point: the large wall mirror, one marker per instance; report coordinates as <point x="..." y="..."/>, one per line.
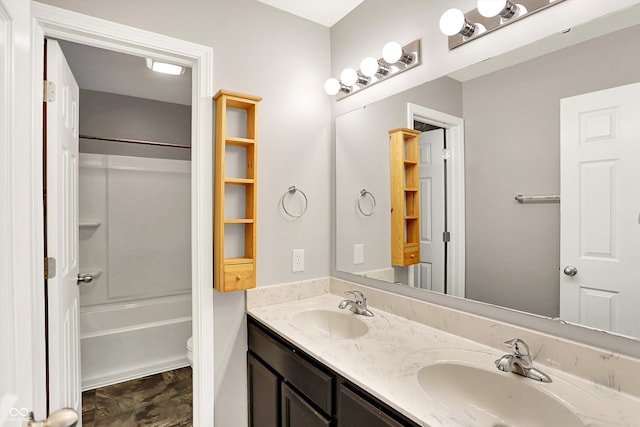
<point x="512" y="142"/>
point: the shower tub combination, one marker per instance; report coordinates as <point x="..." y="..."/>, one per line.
<point x="135" y="238"/>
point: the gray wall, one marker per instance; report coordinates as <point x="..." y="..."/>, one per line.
<point x="258" y="50"/>
<point x="512" y="146"/>
<point x="117" y="116"/>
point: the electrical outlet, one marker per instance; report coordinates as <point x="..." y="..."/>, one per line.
<point x="358" y="254"/>
<point x="297" y="260"/>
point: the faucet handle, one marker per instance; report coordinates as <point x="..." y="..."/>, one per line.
<point x="520" y="348"/>
<point x="359" y="296"/>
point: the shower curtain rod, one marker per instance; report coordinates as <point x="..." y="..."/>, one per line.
<point x="136" y="141"/>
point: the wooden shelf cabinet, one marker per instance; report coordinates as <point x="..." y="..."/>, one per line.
<point x="405" y="197"/>
<point x="235" y="273"/>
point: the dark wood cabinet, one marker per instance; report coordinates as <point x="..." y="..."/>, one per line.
<point x="296" y="412"/>
<point x="354" y="410"/>
<point x="264" y="394"/>
<point x="289" y="388"/>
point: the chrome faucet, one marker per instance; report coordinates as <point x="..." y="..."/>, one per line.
<point x="359" y="306"/>
<point x="520" y="362"/>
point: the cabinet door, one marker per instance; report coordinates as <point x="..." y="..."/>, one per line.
<point x="296" y="412"/>
<point x="264" y="390"/>
<point x="355" y="411"/>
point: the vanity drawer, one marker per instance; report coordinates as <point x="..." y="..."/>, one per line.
<point x="239" y="276"/>
<point x="357" y="408"/>
<point x="314" y="383"/>
<point x="411" y="255"/>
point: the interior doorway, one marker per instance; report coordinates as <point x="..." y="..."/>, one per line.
<point x="117" y="218"/>
<point x="54" y="22"/>
<point x="451" y="129"/>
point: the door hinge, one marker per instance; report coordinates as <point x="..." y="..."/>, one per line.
<point x="446" y="154"/>
<point x="446" y="236"/>
<point x="49" y="94"/>
<point x="49" y="267"/>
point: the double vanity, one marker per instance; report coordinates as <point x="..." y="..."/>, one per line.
<point x="313" y="360"/>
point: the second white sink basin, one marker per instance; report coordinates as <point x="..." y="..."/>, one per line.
<point x="331" y="324"/>
<point x="494" y="399"/>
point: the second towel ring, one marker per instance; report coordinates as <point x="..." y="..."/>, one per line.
<point x="292" y="190"/>
<point x="363" y="194"/>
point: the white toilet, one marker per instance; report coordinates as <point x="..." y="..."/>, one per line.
<point x="190" y="351"/>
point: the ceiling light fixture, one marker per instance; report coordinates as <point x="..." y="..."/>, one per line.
<point x="164" y="67"/>
<point x="395" y="59"/>
<point x="489" y="16"/>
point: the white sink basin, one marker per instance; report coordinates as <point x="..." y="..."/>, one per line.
<point x="494" y="399"/>
<point x="331" y="324"/>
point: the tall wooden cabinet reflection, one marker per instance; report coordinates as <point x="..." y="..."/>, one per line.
<point x="233" y="273"/>
<point x="405" y="204"/>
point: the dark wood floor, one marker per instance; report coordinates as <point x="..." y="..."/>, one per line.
<point x="161" y="400"/>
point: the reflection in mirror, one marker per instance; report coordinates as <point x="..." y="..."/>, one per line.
<point x="513" y="141"/>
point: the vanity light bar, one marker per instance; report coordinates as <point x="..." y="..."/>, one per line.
<point x="476" y="23"/>
<point x="396" y="59"/>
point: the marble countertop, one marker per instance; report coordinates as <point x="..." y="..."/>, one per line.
<point x="385" y="362"/>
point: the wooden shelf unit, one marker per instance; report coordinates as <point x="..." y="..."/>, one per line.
<point x="237" y="273"/>
<point x="405" y="201"/>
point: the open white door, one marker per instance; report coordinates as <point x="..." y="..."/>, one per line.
<point x="600" y="210"/>
<point x="62" y="234"/>
<point x="432" y="201"/>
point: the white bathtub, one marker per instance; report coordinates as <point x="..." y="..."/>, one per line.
<point x="123" y="341"/>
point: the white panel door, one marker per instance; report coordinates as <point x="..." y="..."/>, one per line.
<point x="62" y="234"/>
<point x="600" y="209"/>
<point x="432" y="267"/>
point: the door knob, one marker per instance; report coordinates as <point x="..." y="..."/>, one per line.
<point x="570" y="270"/>
<point x="65" y="417"/>
<point x="85" y="278"/>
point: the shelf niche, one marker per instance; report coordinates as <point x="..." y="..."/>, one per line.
<point x="405" y="202"/>
<point x="235" y="273"/>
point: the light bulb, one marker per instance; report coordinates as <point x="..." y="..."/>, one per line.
<point x="392" y="52"/>
<point x="332" y="86"/>
<point x="369" y="66"/>
<point x="452" y="22"/>
<point x="349" y="77"/>
<point x="491" y="8"/>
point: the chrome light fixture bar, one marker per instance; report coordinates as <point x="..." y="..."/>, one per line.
<point x="489" y="16"/>
<point x="395" y="60"/>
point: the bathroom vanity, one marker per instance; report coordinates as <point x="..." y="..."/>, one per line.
<point x="313" y="364"/>
<point x="307" y="392"/>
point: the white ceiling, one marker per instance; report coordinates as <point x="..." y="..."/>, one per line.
<point x="112" y="72"/>
<point x="324" y="12"/>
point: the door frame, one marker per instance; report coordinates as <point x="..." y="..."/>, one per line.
<point x="21" y="252"/>
<point x="454" y="130"/>
<point x="49" y="21"/>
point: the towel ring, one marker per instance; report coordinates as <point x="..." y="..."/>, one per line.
<point x="363" y="194"/>
<point x="292" y="190"/>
